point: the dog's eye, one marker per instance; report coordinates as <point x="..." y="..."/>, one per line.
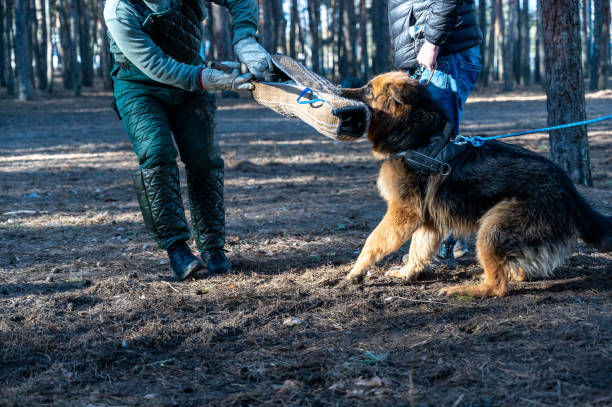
<point x="368" y="92"/>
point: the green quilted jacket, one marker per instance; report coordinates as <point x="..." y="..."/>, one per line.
<point x="129" y="41"/>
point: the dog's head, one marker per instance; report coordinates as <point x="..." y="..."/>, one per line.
<point x="404" y="115"/>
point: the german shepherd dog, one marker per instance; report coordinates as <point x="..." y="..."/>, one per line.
<point x="525" y="210"/>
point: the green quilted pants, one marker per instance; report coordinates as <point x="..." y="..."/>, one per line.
<point x="152" y="114"/>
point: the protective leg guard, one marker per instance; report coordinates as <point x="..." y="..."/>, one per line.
<point x="159" y="194"/>
<point x="207" y="207"/>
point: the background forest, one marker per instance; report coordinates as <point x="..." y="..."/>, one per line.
<point x="337" y="38"/>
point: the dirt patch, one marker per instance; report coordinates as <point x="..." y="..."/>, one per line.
<point x="90" y="317"/>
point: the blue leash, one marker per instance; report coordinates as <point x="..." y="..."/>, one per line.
<point x="477" y="141"/>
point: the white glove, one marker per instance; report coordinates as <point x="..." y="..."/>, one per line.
<point x="226" y="78"/>
<point x="254" y="56"/>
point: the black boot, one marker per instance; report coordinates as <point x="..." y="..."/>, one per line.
<point x="216" y="261"/>
<point x="445" y="256"/>
<point x="183" y="262"/>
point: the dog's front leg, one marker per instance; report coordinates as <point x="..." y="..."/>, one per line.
<point x="391" y="233"/>
<point x="424" y="243"/>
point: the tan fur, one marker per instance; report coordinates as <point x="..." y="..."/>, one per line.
<point x="415" y="210"/>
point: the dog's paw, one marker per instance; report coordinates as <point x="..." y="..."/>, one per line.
<point x="351" y="280"/>
<point x="402" y="273"/>
<point x="449" y="291"/>
<point x="399" y="273"/>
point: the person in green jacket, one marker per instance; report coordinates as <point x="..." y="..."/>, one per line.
<point x="161" y="89"/>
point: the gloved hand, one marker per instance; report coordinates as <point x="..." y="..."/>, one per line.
<point x="228" y="78"/>
<point x="254" y="56"/>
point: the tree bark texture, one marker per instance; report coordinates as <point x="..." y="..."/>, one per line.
<point x="106" y="59"/>
<point x="222" y="34"/>
<point x="526" y="48"/>
<point x="2" y="47"/>
<point x="569" y="148"/>
<point x="85" y="43"/>
<point x="499" y="38"/>
<point x="584" y="25"/>
<point x="8" y="33"/>
<point x="604" y="67"/>
<point x="382" y="41"/>
<point x="363" y="39"/>
<point x="508" y="51"/>
<point x="314" y="20"/>
<point x="41" y="44"/>
<point x="350" y="38"/>
<point x="538" y="73"/>
<point x="482" y="21"/>
<point x="22" y="50"/>
<point x="597" y="39"/>
<point x="293" y="29"/>
<point x="74" y="40"/>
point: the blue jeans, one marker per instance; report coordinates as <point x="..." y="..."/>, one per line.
<point x="450" y="86"/>
<point x="453" y="81"/>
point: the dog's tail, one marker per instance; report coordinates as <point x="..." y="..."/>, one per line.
<point x="594" y="228"/>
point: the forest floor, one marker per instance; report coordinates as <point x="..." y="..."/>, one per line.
<point x="90" y="315"/>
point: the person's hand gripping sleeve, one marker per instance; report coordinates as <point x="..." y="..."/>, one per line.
<point x="225" y="76"/>
<point x="254" y="56"/>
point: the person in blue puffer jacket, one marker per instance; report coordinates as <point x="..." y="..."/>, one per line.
<point x="438" y="41"/>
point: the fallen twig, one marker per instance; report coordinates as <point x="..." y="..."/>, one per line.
<point x="171" y="287"/>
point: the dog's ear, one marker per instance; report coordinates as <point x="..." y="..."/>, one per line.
<point x="396" y="94"/>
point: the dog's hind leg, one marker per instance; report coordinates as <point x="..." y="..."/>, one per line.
<point x="424" y="243"/>
<point x="489" y="244"/>
<point x="391" y="233"/>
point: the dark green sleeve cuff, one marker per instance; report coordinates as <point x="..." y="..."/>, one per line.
<point x="245" y="15"/>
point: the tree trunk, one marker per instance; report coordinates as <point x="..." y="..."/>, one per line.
<point x="604" y="69"/>
<point x="585" y="35"/>
<point x="22" y="50"/>
<point x="41" y="41"/>
<point x="65" y="43"/>
<point x="222" y="34"/>
<point x="363" y="39"/>
<point x="85" y="45"/>
<point x="518" y="44"/>
<point x="293" y="29"/>
<point x="74" y="40"/>
<point x="539" y="50"/>
<point x="350" y="38"/>
<point x="499" y="36"/>
<point x="490" y="54"/>
<point x="314" y="20"/>
<point x="106" y="59"/>
<point x="598" y="10"/>
<point x="2" y="47"/>
<point x="508" y="51"/>
<point x="10" y="46"/>
<point x="266" y="26"/>
<point x="280" y="24"/>
<point x="382" y="42"/>
<point x="569" y="148"/>
<point x="49" y="46"/>
<point x="482" y="21"/>
<point x="32" y="26"/>
<point x="525" y="52"/>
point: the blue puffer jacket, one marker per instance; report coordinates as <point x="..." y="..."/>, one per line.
<point x="451" y="24"/>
